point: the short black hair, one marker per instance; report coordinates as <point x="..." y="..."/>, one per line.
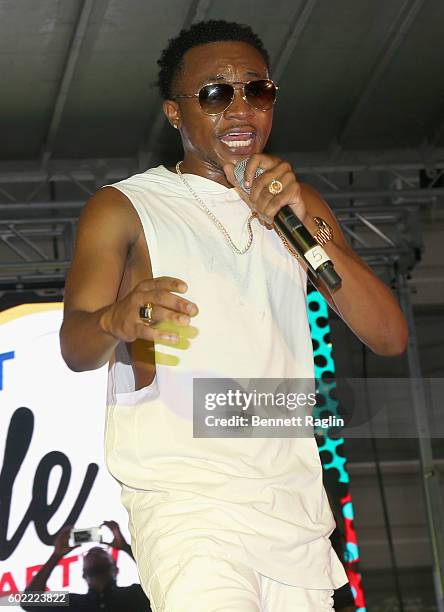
<point x="171" y="59"/>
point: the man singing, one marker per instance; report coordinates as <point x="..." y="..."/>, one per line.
<point x="179" y="274"/>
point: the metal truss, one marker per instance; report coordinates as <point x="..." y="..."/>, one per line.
<point x="36" y="252"/>
<point x="88" y="174"/>
<point x="390" y="185"/>
<point x="377" y="203"/>
<point x="389" y="241"/>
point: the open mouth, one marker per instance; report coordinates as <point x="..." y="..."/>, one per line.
<point x="238" y="140"/>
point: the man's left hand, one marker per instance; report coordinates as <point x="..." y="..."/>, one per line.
<point x="118" y="540"/>
<point x="260" y="200"/>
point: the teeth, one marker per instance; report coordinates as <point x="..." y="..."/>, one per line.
<point x="238" y="143"/>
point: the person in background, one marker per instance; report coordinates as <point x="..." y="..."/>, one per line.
<point x="100" y="572"/>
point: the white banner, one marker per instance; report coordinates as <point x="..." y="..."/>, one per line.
<point x="52" y="453"/>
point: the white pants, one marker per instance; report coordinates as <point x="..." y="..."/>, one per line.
<point x="178" y="579"/>
<point x="208" y="584"/>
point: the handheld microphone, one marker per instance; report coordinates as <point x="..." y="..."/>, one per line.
<point x="298" y="236"/>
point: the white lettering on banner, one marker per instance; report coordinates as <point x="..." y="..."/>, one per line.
<point x="316" y="256"/>
<point x="49" y="416"/>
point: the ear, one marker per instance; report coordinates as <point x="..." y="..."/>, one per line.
<point x="172" y="113"/>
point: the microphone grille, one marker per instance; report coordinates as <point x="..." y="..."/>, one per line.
<point x="239" y="172"/>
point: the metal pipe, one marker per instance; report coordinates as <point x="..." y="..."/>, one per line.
<point x="295" y="31"/>
<point x="197" y="12"/>
<point x="429" y="473"/>
<point x="393" y="41"/>
<point x="68" y="73"/>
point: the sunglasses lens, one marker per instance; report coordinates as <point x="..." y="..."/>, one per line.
<point x="214" y="99"/>
<point x="261" y="94"/>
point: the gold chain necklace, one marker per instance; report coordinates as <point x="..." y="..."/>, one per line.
<point x="215" y="220"/>
<point x="222" y="228"/>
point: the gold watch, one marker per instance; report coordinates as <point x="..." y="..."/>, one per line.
<point x="324" y="233"/>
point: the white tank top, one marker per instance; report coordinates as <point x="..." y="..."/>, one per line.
<point x="258" y="500"/>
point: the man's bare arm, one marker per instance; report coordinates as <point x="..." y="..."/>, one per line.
<point x="364" y="302"/>
<point x="94" y="321"/>
<point x="105" y="233"/>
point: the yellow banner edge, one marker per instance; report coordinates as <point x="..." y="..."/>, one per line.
<point x="10" y="314"/>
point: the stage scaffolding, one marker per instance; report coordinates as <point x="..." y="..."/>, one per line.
<point x="378" y="203"/>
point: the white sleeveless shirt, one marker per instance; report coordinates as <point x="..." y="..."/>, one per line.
<point x="258" y="500"/>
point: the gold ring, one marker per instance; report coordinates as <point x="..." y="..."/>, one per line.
<point x="146" y="313"/>
<point x="275" y="187"/>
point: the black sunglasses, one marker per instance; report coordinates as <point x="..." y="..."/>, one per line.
<point x="215" y="98"/>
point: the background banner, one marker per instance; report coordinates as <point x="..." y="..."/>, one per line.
<point x="52" y="452"/>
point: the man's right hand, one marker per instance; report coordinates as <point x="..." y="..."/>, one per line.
<point x="61" y="542"/>
<point x="122" y="319"/>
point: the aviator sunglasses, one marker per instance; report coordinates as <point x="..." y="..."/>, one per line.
<point x="215" y="98"/>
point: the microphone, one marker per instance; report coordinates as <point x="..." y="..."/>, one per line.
<point x="298" y="236"/>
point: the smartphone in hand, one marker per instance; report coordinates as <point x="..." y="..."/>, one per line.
<point x="83" y="536"/>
